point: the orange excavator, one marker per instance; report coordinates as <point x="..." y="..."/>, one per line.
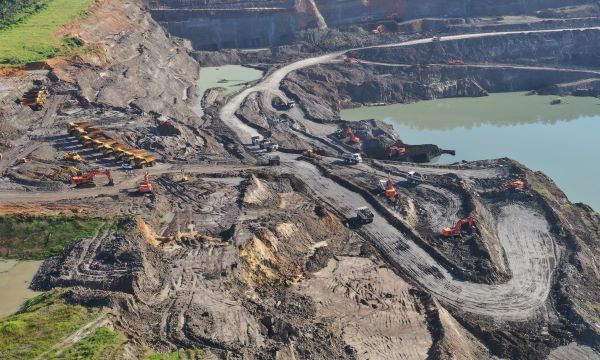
<point x="513" y="184"/>
<point x="355" y="139"/>
<point x="457" y="229"/>
<point x="88" y="179"/>
<point x="378" y="29"/>
<point x="146" y="186"/>
<point x="390" y="190"/>
<point x="396" y="150"/>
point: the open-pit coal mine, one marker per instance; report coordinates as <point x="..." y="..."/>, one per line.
<point x="250" y="220"/>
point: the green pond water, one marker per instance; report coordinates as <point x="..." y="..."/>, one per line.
<point x="562" y="140"/>
<point x="230" y="77"/>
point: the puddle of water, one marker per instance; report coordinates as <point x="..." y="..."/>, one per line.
<point x="230" y="77"/>
<point x="15" y="277"/>
<point x="560" y="140"/>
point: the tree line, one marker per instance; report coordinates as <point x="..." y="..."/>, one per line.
<point x="15" y="11"/>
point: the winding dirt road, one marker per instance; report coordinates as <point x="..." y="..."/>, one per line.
<point x="523" y="231"/>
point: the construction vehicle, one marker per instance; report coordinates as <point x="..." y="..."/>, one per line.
<point x="269" y="145"/>
<point x="146" y="186"/>
<point x="455" y="61"/>
<point x="35" y="98"/>
<point x="395" y="151"/>
<point x="281" y="105"/>
<point x="364" y="216"/>
<point x="351" y="59"/>
<point x="256" y="140"/>
<point x="274" y="160"/>
<point x="352" y="158"/>
<point x="88" y="179"/>
<point x="457" y="230"/>
<point x="311" y="153"/>
<point x="378" y="29"/>
<point x="436" y="39"/>
<point x="518" y="185"/>
<point x="184" y="176"/>
<point x="390" y="190"/>
<point x="72" y="156"/>
<point x="355" y="139"/>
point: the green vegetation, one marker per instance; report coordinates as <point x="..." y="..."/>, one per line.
<point x="542" y="191"/>
<point x="43" y="322"/>
<point x="188" y="354"/>
<point x="102" y="344"/>
<point x="31" y="37"/>
<point x="37" y="238"/>
<point x="15" y="11"/>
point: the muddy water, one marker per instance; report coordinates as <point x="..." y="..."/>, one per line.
<point x="15" y="277"/>
<point x="231" y="77"/>
<point x="562" y="140"/>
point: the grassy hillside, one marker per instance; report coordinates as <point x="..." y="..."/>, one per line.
<point x="43" y="322"/>
<point x="37" y="238"/>
<point x="34" y="39"/>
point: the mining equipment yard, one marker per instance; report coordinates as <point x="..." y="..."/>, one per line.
<point x="237" y="225"/>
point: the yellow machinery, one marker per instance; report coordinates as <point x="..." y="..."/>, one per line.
<point x="35" y="98"/>
<point x="72" y="156"/>
<point x="184" y="176"/>
<point x="312" y="154"/>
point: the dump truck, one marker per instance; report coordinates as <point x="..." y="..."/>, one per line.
<point x="35" y="98"/>
<point x="354" y="159"/>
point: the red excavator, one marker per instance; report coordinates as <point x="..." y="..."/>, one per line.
<point x="355" y="139"/>
<point x="457" y="229"/>
<point x="87" y="180"/>
<point x="378" y="29"/>
<point x="396" y="150"/>
<point x="390" y="190"/>
<point x="146" y="186"/>
<point x="513" y="184"/>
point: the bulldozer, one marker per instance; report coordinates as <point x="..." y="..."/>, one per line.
<point x="35" y="98"/>
<point x="87" y="180"/>
<point x="457" y="230"/>
<point x="72" y="156"/>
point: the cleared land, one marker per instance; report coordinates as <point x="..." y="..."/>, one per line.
<point x="34" y="39"/>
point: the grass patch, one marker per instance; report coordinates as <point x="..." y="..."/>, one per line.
<point x="188" y="354"/>
<point x="32" y="38"/>
<point x="41" y="323"/>
<point x="103" y="344"/>
<point x="542" y="191"/>
<point x="16" y="11"/>
<point x="38" y="237"/>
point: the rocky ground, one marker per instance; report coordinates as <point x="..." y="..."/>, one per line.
<point x="250" y="261"/>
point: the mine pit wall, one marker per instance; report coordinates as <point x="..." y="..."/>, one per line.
<point x="222" y="29"/>
<point x="569" y="48"/>
<point x="224" y="24"/>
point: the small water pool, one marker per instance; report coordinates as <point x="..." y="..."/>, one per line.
<point x="562" y="140"/>
<point x="230" y="77"/>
